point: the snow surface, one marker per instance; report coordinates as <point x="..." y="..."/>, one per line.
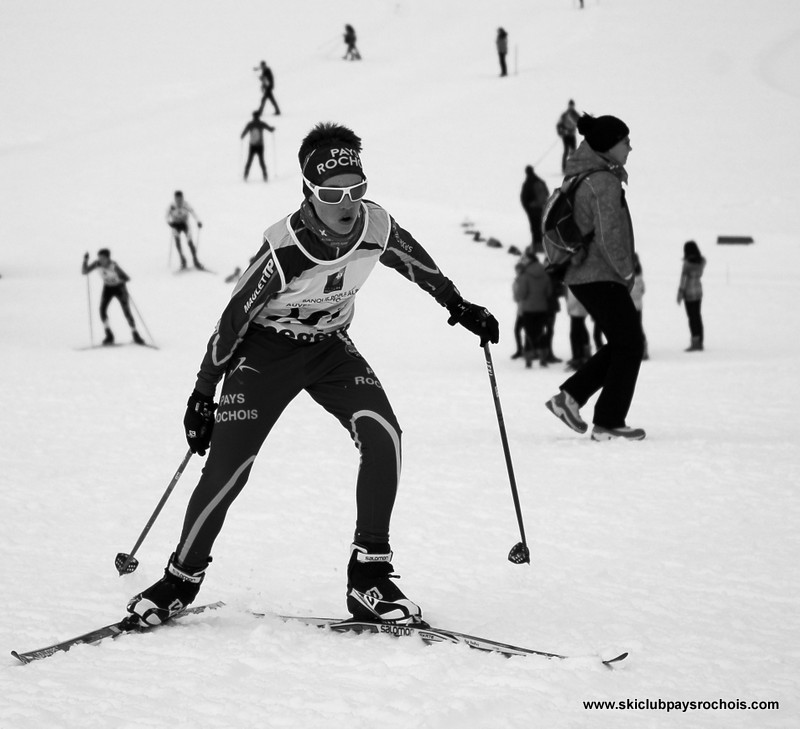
<point x="681" y="549"/>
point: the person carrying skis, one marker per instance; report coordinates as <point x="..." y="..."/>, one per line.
<point x="256" y="128"/>
<point x="285" y="330"/>
<point x="114" y="287"/>
<point x="178" y="219"/>
<point x="267" y="85"/>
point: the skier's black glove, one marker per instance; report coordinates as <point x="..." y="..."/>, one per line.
<point x="199" y="224"/>
<point x="475" y="318"/>
<point x="199" y="421"/>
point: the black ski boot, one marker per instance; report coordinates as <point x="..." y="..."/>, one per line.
<point x="109" y="339"/>
<point x="174" y="592"/>
<point x="137" y="338"/>
<point x="371" y="593"/>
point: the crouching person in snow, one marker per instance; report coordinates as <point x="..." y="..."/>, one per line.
<point x="285" y="331"/>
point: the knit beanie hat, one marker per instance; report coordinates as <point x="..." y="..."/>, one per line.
<point x="603" y="132"/>
<point x="330" y="160"/>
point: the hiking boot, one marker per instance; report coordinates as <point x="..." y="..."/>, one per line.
<point x="624" y="433"/>
<point x="371" y="593"/>
<point x="109" y="338"/>
<point x="567" y="410"/>
<point x="137" y="338"/>
<point x="174" y="592"/>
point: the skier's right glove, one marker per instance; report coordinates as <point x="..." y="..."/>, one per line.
<point x="199" y="421"/>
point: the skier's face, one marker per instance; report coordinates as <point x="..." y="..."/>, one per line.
<point x="341" y="217"/>
<point x="620" y="151"/>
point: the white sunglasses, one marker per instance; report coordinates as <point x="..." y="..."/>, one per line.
<point x="335" y="195"/>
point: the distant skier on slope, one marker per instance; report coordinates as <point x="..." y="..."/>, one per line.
<point x="114" y="287"/>
<point x="178" y="219"/>
<point x="285" y="330"/>
<point x="256" y="128"/>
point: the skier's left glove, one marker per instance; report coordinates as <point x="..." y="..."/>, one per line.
<point x="199" y="224"/>
<point x="199" y="421"/>
<point x="475" y="318"/>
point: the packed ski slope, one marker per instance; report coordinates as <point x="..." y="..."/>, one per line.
<point x="681" y="549"/>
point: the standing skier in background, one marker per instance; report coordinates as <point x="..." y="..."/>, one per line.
<point x="566" y="127"/>
<point x="178" y="219"/>
<point x="114" y="280"/>
<point x="267" y="85"/>
<point x="285" y="330"/>
<point x="256" y="128"/>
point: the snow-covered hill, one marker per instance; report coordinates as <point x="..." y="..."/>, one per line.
<point x="681" y="549"/>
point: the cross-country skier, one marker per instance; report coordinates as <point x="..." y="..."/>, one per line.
<point x="285" y="330"/>
<point x="114" y="280"/>
<point x="566" y="128"/>
<point x="178" y="219"/>
<point x="256" y="128"/>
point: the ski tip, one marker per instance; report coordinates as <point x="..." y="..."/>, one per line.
<point x="20" y="658"/>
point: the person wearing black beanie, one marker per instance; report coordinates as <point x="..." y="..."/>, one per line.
<point x="601" y="278"/>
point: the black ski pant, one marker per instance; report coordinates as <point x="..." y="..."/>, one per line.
<point x="256" y="152"/>
<point x="177" y="229"/>
<point x="695" y="318"/>
<point x="267" y="95"/>
<point x="614" y="368"/>
<point x="121" y="294"/>
<point x="267" y="372"/>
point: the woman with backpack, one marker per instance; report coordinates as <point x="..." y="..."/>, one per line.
<point x="690" y="292"/>
<point x="602" y="278"/>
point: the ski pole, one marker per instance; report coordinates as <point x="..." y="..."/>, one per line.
<point x="519" y="554"/>
<point x="141" y="318"/>
<point x="89" y="299"/>
<point x="127" y="563"/>
<point x="549" y="149"/>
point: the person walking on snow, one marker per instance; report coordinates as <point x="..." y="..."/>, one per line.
<point x="351" y="53"/>
<point x="602" y="281"/>
<point x="285" y="330"/>
<point x="114" y="280"/>
<point x="256" y="128"/>
<point x="267" y="80"/>
<point x="178" y="219"/>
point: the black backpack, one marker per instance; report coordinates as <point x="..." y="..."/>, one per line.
<point x="562" y="240"/>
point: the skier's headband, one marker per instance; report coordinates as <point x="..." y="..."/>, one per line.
<point x="325" y="162"/>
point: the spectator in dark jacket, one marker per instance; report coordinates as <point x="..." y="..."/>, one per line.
<point x="532" y="291"/>
<point x="502" y="50"/>
<point x="267" y="85"/>
<point x="533" y="197"/>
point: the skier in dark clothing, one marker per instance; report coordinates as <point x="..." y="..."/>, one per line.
<point x="566" y="128"/>
<point x="267" y="86"/>
<point x="502" y="50"/>
<point x="285" y="330"/>
<point x="602" y="281"/>
<point x="533" y="197"/>
<point x="114" y="280"/>
<point x="351" y="53"/>
<point x="256" y="128"/>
